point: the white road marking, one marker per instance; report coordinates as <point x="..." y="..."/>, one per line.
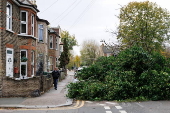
<point x="118" y="107"/>
<point x="106" y="107"/>
<point x="108" y="112"/>
<point x="140" y="105"/>
<point x="102" y="104"/>
<point x="111" y="103"/>
<point x="88" y="101"/>
<point x="122" y="111"/>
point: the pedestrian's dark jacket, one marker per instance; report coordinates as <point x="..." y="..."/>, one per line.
<point x="56" y="74"/>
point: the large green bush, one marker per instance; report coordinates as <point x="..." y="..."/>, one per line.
<point x="134" y="74"/>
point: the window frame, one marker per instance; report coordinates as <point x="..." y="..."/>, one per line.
<point x="23" y="63"/>
<point x="51" y="42"/>
<point x="56" y="43"/>
<point x="9" y="17"/>
<point x="39" y="29"/>
<point x="24" y="22"/>
<point x="32" y="62"/>
<point x="51" y="66"/>
<point x="32" y="24"/>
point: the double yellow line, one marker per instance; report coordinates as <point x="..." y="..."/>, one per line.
<point x="79" y="104"/>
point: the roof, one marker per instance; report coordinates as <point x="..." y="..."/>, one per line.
<point x="51" y="31"/>
<point x="112" y="49"/>
<point x="26" y="3"/>
<point x="38" y="19"/>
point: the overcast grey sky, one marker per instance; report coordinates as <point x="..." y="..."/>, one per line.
<point x="86" y="19"/>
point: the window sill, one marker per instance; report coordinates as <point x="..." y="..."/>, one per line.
<point x="9" y="30"/>
<point x="41" y="42"/>
<point x="27" y="36"/>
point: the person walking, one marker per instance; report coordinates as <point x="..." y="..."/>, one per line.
<point x="56" y="75"/>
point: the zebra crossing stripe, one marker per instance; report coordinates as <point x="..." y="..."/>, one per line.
<point x="122" y="111"/>
<point x="118" y="107"/>
<point x="106" y="107"/>
<point x="108" y="112"/>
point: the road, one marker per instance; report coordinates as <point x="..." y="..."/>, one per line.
<point x="102" y="107"/>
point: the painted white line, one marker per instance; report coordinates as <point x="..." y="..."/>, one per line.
<point x="88" y="101"/>
<point x="111" y="103"/>
<point x="102" y="104"/>
<point x="108" y="112"/>
<point x="140" y="105"/>
<point x="118" y="107"/>
<point x="106" y="107"/>
<point x="122" y="111"/>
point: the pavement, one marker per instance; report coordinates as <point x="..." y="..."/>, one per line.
<point x="51" y="99"/>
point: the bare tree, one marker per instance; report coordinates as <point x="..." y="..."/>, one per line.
<point x="90" y="51"/>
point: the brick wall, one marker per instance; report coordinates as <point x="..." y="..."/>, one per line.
<point x="1" y="1"/>
<point x="20" y="88"/>
<point x="42" y="47"/>
<point x="25" y="87"/>
<point x="46" y="83"/>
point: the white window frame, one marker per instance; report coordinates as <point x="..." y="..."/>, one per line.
<point x="32" y="24"/>
<point x="9" y="16"/>
<point x="32" y="62"/>
<point x="23" y="63"/>
<point x="24" y="22"/>
<point x="51" y="42"/>
<point x="41" y="39"/>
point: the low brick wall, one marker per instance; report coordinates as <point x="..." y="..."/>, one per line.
<point x="62" y="76"/>
<point x="26" y="87"/>
<point x="20" y="88"/>
<point x="46" y="83"/>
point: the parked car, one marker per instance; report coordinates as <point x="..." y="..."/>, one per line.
<point x="78" y="70"/>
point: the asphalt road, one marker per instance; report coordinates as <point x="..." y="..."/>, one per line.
<point x="102" y="107"/>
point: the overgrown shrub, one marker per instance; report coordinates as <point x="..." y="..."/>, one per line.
<point x="134" y="74"/>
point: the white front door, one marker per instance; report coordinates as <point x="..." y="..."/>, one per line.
<point x="9" y="62"/>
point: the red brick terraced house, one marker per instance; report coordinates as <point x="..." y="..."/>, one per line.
<point x="58" y="44"/>
<point x="54" y="40"/>
<point x="19" y="27"/>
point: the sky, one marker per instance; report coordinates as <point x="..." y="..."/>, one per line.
<point x="87" y="19"/>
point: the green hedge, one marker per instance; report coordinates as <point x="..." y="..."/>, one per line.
<point x="134" y="74"/>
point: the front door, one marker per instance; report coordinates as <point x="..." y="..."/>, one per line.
<point x="9" y="62"/>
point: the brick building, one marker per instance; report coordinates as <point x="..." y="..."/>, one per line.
<point x="25" y="45"/>
<point x="42" y="46"/>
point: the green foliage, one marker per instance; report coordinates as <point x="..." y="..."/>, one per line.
<point x="133" y="75"/>
<point x="24" y="59"/>
<point x="64" y="58"/>
<point x="71" y="41"/>
<point x="144" y="24"/>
